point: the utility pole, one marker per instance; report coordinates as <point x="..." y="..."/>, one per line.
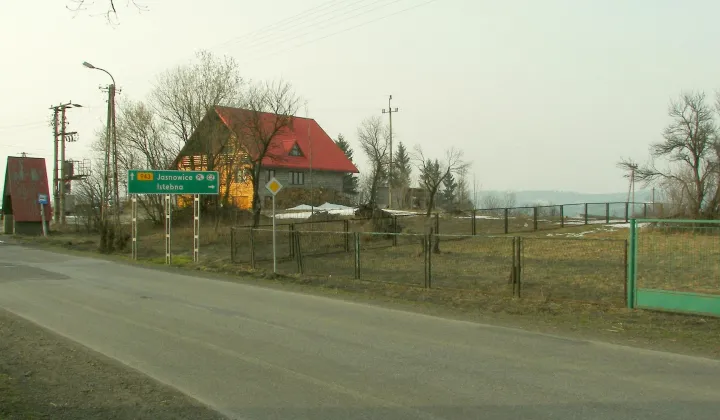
<point x="116" y="183"/>
<point x="110" y="159"/>
<point x="55" y="189"/>
<point x="63" y="175"/>
<point x="110" y="136"/>
<point x="60" y="135"/>
<point x="390" y="111"/>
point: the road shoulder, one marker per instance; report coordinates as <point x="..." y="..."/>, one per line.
<point x="44" y="375"/>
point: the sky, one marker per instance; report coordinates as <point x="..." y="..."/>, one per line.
<point x="539" y="95"/>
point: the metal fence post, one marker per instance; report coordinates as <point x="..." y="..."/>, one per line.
<point x="426" y="247"/>
<point x="586" y="213"/>
<point x="505" y="211"/>
<point x="632" y="265"/>
<point x="473" y="227"/>
<point x="645" y="215"/>
<point x="607" y="212"/>
<point x="252" y="248"/>
<point x="357" y="255"/>
<point x="562" y="216"/>
<point x="298" y="253"/>
<point x="291" y="228"/>
<point x="627" y="212"/>
<point x="232" y="245"/>
<point x="437" y="223"/>
<point x="429" y="258"/>
<point x="535" y="218"/>
<point x="346" y="229"/>
<point x="395" y="230"/>
<point x="519" y="265"/>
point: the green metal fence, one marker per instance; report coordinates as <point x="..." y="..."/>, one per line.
<point x="541" y="269"/>
<point x="674" y="265"/>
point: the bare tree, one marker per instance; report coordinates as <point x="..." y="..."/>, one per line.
<point x="689" y="145"/>
<point x="108" y="7"/>
<point x="432" y="172"/>
<point x="184" y="95"/>
<point x="270" y="110"/>
<point x="144" y="143"/>
<point x="374" y="142"/>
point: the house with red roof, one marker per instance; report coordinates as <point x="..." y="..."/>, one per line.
<point x="299" y="153"/>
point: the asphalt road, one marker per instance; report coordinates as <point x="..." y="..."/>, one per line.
<point x="257" y="353"/>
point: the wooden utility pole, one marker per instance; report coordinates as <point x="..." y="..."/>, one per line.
<point x="390" y="111"/>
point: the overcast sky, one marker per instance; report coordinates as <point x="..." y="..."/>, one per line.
<point x="539" y="94"/>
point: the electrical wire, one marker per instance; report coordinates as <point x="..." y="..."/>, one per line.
<point x="334" y="19"/>
<point x="344" y="30"/>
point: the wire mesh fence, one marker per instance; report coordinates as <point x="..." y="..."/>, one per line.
<point x="679" y="256"/>
<point x="591" y="270"/>
<point x="578" y="269"/>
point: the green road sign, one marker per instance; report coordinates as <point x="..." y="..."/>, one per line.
<point x="142" y="181"/>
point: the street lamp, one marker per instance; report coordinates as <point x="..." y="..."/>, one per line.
<point x="110" y="134"/>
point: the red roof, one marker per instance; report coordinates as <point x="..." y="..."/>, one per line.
<point x="25" y="179"/>
<point x="305" y="132"/>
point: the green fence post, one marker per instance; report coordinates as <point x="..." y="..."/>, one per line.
<point x="632" y="265"/>
<point x="586" y="213"/>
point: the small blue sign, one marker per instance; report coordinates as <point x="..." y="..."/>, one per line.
<point x="42" y="198"/>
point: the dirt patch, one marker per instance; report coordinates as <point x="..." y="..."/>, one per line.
<point x="45" y="376"/>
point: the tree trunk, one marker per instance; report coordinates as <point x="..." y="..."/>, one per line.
<point x="256" y="202"/>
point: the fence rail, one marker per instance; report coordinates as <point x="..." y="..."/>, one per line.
<point x="588" y="270"/>
<point x="486" y="221"/>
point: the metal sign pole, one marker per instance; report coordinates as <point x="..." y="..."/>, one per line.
<point x="42" y="217"/>
<point x="134" y="227"/>
<point x="274" y="248"/>
<point x="196" y="228"/>
<point x="168" y="213"/>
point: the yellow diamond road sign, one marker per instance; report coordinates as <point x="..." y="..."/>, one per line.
<point x="273" y="186"/>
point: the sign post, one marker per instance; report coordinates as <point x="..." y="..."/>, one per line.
<point x="168" y="183"/>
<point x="133" y="228"/>
<point x="196" y="228"/>
<point x="274" y="187"/>
<point x="43" y="200"/>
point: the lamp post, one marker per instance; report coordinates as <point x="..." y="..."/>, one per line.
<point x="110" y="140"/>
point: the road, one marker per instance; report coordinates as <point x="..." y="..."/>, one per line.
<point x="256" y="353"/>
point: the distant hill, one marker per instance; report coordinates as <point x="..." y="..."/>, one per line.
<point x="525" y="198"/>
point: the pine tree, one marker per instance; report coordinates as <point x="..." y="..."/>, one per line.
<point x="350" y="182"/>
<point x="448" y="193"/>
<point x="402" y="171"/>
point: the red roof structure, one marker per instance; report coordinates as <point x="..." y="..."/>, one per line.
<point x="311" y="140"/>
<point x="25" y="180"/>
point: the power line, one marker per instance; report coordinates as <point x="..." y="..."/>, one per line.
<point x="255" y="45"/>
<point x="347" y="29"/>
<point x="264" y="29"/>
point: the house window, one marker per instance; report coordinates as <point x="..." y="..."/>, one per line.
<point x="297" y="178"/>
<point x="295" y="151"/>
<point x="270" y="174"/>
<point x="241" y="175"/>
